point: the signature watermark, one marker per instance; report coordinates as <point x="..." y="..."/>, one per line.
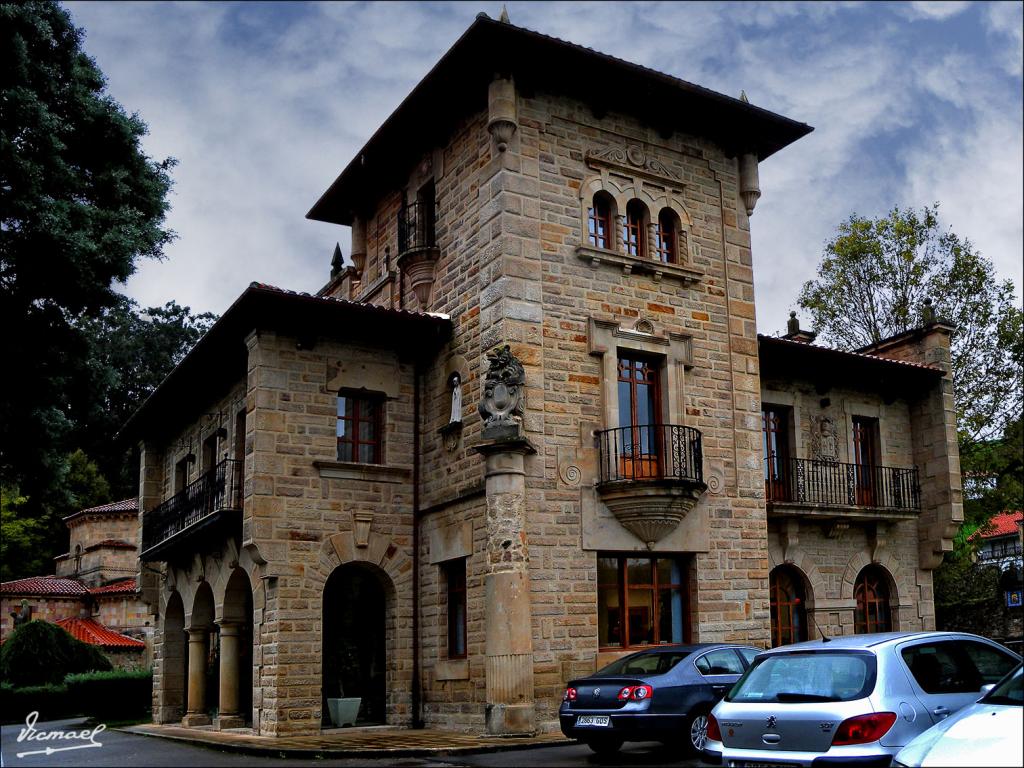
<point x="30" y="733"/>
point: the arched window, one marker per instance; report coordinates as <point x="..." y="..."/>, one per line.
<point x="666" y="237"/>
<point x="634" y="230"/>
<point x="871" y="591"/>
<point x="788" y="606"/>
<point x="599" y="220"/>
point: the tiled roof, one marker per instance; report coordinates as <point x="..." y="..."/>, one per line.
<point x="44" y="585"/>
<point x="862" y="355"/>
<point x="1003" y="524"/>
<point x="92" y="632"/>
<point x="124" y="505"/>
<point x="118" y="587"/>
<point x="356" y="304"/>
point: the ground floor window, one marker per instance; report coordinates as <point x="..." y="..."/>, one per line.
<point x="788" y="609"/>
<point x="871" y="590"/>
<point x="641" y="600"/>
<point x="455" y="575"/>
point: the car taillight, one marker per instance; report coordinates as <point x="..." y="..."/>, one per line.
<point x="636" y="692"/>
<point x="714" y="732"/>
<point x="863" y="728"/>
<point x="570" y="694"/>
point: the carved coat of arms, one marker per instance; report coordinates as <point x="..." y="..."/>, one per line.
<point x="504" y="395"/>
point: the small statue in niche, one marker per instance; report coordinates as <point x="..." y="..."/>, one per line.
<point x="823" y="439"/>
<point x="24" y="616"/>
<point x="455" y="381"/>
<point x="503" y="403"/>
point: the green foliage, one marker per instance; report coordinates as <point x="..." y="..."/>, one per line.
<point x="19" y="536"/>
<point x="38" y="653"/>
<point x="50" y="701"/>
<point x="872" y="283"/>
<point x="114" y="695"/>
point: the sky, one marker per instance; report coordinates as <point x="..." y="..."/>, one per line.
<point x="263" y="104"/>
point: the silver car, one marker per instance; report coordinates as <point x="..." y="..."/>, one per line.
<point x="849" y="700"/>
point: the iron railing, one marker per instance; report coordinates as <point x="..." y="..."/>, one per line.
<point x="416" y="227"/>
<point x="215" y="491"/>
<point x="651" y="452"/>
<point x="835" y="484"/>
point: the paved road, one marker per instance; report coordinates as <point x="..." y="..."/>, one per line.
<point x="130" y="750"/>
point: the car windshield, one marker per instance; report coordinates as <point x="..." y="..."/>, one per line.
<point x="643" y="664"/>
<point x="1009" y="691"/>
<point x="807" y="677"/>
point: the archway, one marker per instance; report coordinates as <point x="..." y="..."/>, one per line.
<point x="174" y="661"/>
<point x="236" y="630"/>
<point x="203" y="659"/>
<point x="354" y="658"/>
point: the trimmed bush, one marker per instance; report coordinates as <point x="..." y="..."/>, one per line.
<point x="116" y="695"/>
<point x="39" y="653"/>
<point x="50" y="701"/>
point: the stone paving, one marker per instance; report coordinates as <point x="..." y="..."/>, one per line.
<point x="375" y="741"/>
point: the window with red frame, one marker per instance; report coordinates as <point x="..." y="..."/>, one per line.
<point x="360" y="429"/>
<point x="599" y="221"/>
<point x="666" y="238"/>
<point x="634" y="236"/>
<point x="455" y="576"/>
<point x="871" y="591"/>
<point x="788" y="609"/>
<point x="641" y="601"/>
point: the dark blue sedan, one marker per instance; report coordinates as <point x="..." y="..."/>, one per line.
<point x="662" y="694"/>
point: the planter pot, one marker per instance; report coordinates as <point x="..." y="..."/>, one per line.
<point x="343" y="711"/>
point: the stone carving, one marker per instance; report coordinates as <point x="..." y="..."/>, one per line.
<point x="631" y="158"/>
<point x="456" y="384"/>
<point x="24" y="616"/>
<point x="503" y="401"/>
<point x="823" y="439"/>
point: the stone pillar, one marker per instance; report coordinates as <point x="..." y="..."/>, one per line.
<point x="509" y="630"/>
<point x="229" y="716"/>
<point x="197" y="650"/>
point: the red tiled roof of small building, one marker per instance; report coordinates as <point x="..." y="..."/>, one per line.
<point x="50" y="586"/>
<point x="92" y="632"/>
<point x="1003" y="524"/>
<point x="127" y="586"/>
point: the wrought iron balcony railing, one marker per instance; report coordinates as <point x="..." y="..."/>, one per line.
<point x="651" y="452"/>
<point x="416" y="223"/>
<point x="200" y="501"/>
<point x="835" y="484"/>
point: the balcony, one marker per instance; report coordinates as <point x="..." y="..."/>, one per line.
<point x="417" y="248"/>
<point x="213" y="502"/>
<point x="832" y="489"/>
<point x="650" y="476"/>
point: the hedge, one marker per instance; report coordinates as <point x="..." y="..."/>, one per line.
<point x="115" y="695"/>
<point x="103" y="696"/>
<point x="41" y="653"/>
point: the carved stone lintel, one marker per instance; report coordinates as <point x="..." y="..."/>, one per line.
<point x="361" y="535"/>
<point x="503" y="402"/>
<point x="634" y="161"/>
<point x="789" y="538"/>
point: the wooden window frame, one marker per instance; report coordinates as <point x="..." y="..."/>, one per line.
<point x="455" y="589"/>
<point x="666" y="239"/>
<point x="623" y="587"/>
<point x="599" y="222"/>
<point x="634" y="230"/>
<point x="795" y="600"/>
<point x="866" y="615"/>
<point x="775" y="421"/>
<point x="866" y="451"/>
<point x="362" y="402"/>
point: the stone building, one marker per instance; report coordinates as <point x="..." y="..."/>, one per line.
<point x="93" y="593"/>
<point x="522" y="432"/>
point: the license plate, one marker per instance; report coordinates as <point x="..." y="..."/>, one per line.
<point x="592" y="720"/>
<point x="762" y="765"/>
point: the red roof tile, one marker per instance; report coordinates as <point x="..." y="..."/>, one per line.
<point x="1003" y="524"/>
<point x="44" y="585"/>
<point x="92" y="632"/>
<point x="114" y="507"/>
<point x="118" y="587"/>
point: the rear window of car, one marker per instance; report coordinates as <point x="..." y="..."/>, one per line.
<point x="642" y="664"/>
<point x="807" y="677"/>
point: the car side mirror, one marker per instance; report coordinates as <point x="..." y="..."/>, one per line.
<point x="987" y="688"/>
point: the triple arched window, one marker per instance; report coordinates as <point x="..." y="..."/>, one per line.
<point x="662" y="239"/>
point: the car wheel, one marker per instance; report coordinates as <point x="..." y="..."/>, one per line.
<point x="697" y="732"/>
<point x="604" y="746"/>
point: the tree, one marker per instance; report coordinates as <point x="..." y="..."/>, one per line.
<point x="873" y="281"/>
<point x="80" y="204"/>
<point x="39" y="652"/>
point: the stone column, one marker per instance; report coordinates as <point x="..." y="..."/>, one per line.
<point x="229" y="716"/>
<point x="197" y="650"/>
<point x="509" y="631"/>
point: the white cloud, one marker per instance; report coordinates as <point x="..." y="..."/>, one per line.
<point x="933" y="10"/>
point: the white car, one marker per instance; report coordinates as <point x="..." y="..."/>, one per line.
<point x="988" y="732"/>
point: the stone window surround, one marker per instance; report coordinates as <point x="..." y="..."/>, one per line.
<point x="608" y="338"/>
<point x="656" y="196"/>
